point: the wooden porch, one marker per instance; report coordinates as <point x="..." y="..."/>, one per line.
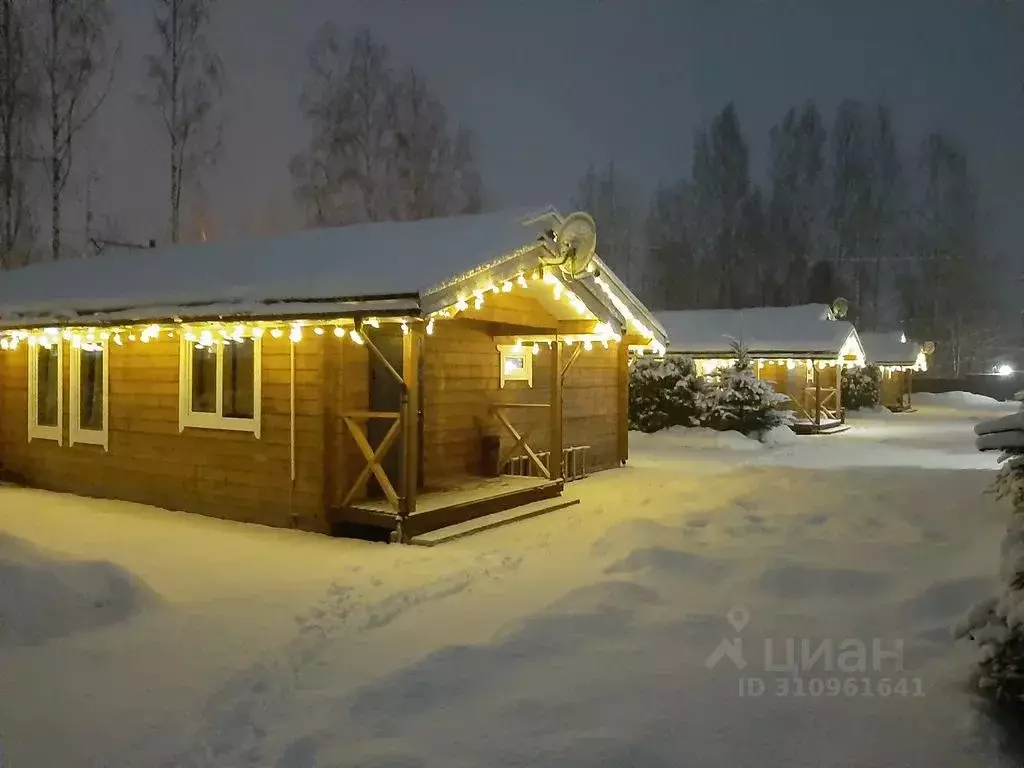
<point x="403" y="503"/>
<point x="477" y="497"/>
<point x="820" y="411"/>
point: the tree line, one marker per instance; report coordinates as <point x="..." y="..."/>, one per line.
<point x="57" y="64"/>
<point x="843" y="211"/>
<point x="381" y="143"/>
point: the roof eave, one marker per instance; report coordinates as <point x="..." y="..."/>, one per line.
<point x="275" y="309"/>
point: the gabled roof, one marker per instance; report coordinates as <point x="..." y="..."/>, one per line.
<point x="807" y="330"/>
<point x="411" y="267"/>
<point x="890" y="349"/>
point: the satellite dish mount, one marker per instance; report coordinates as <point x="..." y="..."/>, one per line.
<point x="573" y="246"/>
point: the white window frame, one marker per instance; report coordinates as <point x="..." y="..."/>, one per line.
<point x="77" y="434"/>
<point x="189" y="418"/>
<point x="36" y="431"/>
<point x="511" y="350"/>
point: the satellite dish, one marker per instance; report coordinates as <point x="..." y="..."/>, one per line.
<point x="840" y="307"/>
<point x="574" y="244"/>
<point x="929" y="347"/>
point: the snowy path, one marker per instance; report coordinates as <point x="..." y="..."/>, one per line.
<point x="575" y="639"/>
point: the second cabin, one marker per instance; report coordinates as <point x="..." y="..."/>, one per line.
<point x="897" y="359"/>
<point x="802" y="350"/>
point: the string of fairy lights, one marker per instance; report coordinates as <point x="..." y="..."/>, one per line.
<point x="208" y="334"/>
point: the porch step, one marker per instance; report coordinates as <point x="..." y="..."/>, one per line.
<point x="487" y="522"/>
<point x="830" y="428"/>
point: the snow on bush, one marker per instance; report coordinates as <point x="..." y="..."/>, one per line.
<point x="778" y="437"/>
<point x="860" y="387"/>
<point x="997" y="624"/>
<point x="665" y="393"/>
<point x="43" y="596"/>
<point x="742" y="402"/>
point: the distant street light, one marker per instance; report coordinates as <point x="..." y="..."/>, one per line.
<point x="1004" y="370"/>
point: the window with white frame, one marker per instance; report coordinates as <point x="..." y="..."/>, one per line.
<point x="46" y="392"/>
<point x="90" y="382"/>
<point x="516" y="363"/>
<point x="220" y="385"/>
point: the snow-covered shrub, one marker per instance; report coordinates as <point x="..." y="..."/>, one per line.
<point x="740" y="401"/>
<point x="665" y="393"/>
<point x="861" y="387"/>
<point x="997" y="624"/>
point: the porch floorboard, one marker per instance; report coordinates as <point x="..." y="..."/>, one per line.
<point x="441" y="508"/>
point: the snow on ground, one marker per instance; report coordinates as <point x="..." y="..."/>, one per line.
<point x="43" y="596"/>
<point x="959" y="401"/>
<point x="579" y="638"/>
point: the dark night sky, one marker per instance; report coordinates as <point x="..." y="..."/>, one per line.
<point x="550" y="85"/>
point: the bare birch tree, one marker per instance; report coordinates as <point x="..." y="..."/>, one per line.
<point x="19" y="103"/>
<point x="187" y="79"/>
<point x="74" y="56"/>
<point x="381" y="146"/>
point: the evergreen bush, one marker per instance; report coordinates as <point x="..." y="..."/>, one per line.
<point x="740" y="401"/>
<point x="861" y="387"/>
<point x="664" y="393"/>
<point x="997" y="624"/>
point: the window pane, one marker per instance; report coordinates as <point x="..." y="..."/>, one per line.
<point x="239" y="379"/>
<point x="514" y="364"/>
<point x="91" y="389"/>
<point x="46" y="396"/>
<point x="204" y="380"/>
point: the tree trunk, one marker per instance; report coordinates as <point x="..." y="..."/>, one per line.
<point x="175" y="150"/>
<point x="55" y="137"/>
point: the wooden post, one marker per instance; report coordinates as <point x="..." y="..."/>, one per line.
<point x="555" y="412"/>
<point x="910" y="388"/>
<point x="817" y="394"/>
<point x="622" y="360"/>
<point x="333" y="463"/>
<point x="411" y="345"/>
<point x="839" y="393"/>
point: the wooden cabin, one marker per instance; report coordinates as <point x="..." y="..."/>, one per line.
<point x="381" y="379"/>
<point x="897" y="359"/>
<point x="801" y="350"/>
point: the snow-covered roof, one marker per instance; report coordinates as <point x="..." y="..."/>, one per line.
<point x="889" y="349"/>
<point x="389" y="266"/>
<point x="807" y="330"/>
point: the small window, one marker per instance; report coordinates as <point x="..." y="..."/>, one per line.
<point x="46" y="392"/>
<point x="89" y="394"/>
<point x="220" y="386"/>
<point x="516" y="363"/>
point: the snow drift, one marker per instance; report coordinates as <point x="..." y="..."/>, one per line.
<point x="963" y="401"/>
<point x="44" y="596"/>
